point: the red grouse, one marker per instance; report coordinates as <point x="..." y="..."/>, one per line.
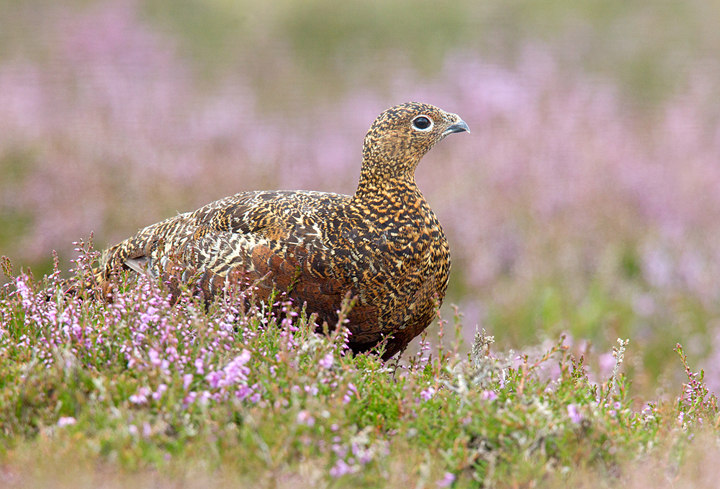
<point x="384" y="246"/>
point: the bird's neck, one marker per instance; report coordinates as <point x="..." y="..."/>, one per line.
<point x="372" y="189"/>
<point x="385" y="174"/>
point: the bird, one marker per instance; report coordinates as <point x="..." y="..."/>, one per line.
<point x="382" y="246"/>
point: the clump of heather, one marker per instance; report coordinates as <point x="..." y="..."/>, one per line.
<point x="251" y="389"/>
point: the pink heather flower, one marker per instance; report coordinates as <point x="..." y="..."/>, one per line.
<point x="575" y="415"/>
<point x="305" y="418"/>
<point x="154" y="357"/>
<point x="338" y="449"/>
<point x="189" y="399"/>
<point x="215" y="379"/>
<point x="341" y="468"/>
<point x="327" y="361"/>
<point x="243" y="358"/>
<point x="366" y="457"/>
<point x="66" y="421"/>
<point x="24" y="292"/>
<point x="187" y="380"/>
<point x="489" y="395"/>
<point x="205" y="398"/>
<point x="199" y="366"/>
<point x="348" y="394"/>
<point x="448" y="479"/>
<point x="141" y="396"/>
<point x="235" y="371"/>
<point x="356" y="450"/>
<point x="159" y="392"/>
<point x="312" y="390"/>
<point x="428" y="393"/>
<point x="243" y="392"/>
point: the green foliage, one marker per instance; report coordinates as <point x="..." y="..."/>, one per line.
<point x="141" y="384"/>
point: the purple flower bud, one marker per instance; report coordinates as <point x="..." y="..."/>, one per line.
<point x="447" y="480"/>
<point x="489" y="395"/>
<point x="339" y="469"/>
<point x="575" y="415"/>
<point x="327" y="361"/>
<point x="428" y="393"/>
<point x="305" y="418"/>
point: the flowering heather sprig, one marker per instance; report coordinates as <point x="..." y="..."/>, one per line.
<point x="696" y="399"/>
<point x="428" y="393"/>
<point x="424" y="348"/>
<point x="233" y="377"/>
<point x="574" y="414"/>
<point x="488" y="395"/>
<point x="349" y="393"/>
<point x="304" y="417"/>
<point x="6" y="266"/>
<point x="447" y="480"/>
<point x="360" y="451"/>
<point x="619" y="355"/>
<point x="327" y="361"/>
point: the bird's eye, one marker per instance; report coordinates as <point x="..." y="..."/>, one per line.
<point x="422" y="123"/>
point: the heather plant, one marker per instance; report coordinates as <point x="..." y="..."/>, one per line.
<point x="190" y="391"/>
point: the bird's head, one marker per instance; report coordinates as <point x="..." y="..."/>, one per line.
<point x="401" y="136"/>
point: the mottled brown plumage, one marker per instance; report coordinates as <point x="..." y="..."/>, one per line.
<point x="384" y="246"/>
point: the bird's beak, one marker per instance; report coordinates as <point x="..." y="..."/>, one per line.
<point x="459" y="126"/>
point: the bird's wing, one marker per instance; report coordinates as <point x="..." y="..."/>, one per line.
<point x="222" y="236"/>
<point x="273" y="241"/>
